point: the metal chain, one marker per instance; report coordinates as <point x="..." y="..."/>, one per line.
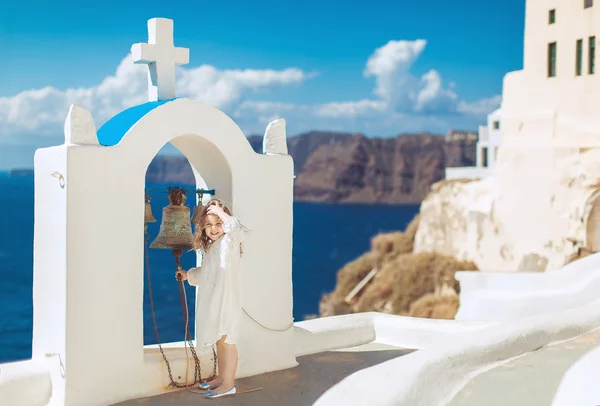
<point x="185" y="306"/>
<point x="187" y="338"/>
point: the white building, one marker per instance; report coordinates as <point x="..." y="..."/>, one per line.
<point x="537" y="208"/>
<point x="552" y="101"/>
<point x="488" y="145"/>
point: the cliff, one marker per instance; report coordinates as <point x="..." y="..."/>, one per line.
<point x="536" y="211"/>
<point x="405" y="283"/>
<point x="345" y="168"/>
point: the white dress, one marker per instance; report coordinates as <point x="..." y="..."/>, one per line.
<point x="219" y="294"/>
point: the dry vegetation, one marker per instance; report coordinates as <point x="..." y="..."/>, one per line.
<point x="420" y="285"/>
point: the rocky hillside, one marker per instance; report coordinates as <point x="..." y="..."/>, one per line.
<point x="405" y="283"/>
<point x="336" y="167"/>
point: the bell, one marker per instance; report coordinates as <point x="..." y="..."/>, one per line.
<point x="148" y="217"/>
<point x="196" y="215"/>
<point x="175" y="228"/>
<point x="198" y="208"/>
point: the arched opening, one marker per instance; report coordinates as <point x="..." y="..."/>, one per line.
<point x="169" y="168"/>
<point x="591" y="219"/>
<point x="189" y="162"/>
<point x="592" y="224"/>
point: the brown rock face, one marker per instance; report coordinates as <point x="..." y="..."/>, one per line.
<point x="397" y="170"/>
<point x="350" y="168"/>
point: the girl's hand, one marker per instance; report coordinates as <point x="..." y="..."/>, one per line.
<point x="215" y="210"/>
<point x="181" y="273"/>
<point x="218" y="211"/>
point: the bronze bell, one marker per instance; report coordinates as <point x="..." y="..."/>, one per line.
<point x="198" y="208"/>
<point x="148" y="217"/>
<point x="196" y="215"/>
<point x="175" y="228"/>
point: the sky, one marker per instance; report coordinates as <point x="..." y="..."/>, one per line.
<point x="377" y="67"/>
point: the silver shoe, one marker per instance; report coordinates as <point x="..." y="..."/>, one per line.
<point x="204" y="386"/>
<point x="211" y="395"/>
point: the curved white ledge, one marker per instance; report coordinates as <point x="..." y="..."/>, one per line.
<point x="506" y="295"/>
<point x="434" y="375"/>
<point x="25" y="383"/>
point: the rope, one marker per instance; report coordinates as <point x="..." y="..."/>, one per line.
<point x="289" y="326"/>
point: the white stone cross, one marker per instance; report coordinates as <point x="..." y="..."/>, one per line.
<point x="161" y="56"/>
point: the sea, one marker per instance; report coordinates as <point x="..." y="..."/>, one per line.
<point x="325" y="238"/>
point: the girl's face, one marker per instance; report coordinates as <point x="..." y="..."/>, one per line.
<point x="213" y="227"/>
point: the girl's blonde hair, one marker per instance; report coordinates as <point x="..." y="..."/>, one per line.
<point x="201" y="240"/>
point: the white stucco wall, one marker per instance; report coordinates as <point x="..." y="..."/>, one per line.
<point x="532" y="102"/>
<point x="88" y="265"/>
<point x="488" y="144"/>
<point x="25" y="383"/>
<point x="482" y="142"/>
<point x="492" y="296"/>
<point x="466" y="172"/>
<point x="343" y="331"/>
<point x="494" y="136"/>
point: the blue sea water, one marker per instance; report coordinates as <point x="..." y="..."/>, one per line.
<point x="326" y="237"/>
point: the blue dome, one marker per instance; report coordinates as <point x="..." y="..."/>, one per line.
<point x="112" y="132"/>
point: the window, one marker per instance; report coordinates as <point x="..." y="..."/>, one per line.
<point x="591" y="55"/>
<point x="579" y="57"/>
<point x="484" y="157"/>
<point x="552" y="17"/>
<point x="588" y="3"/>
<point x="552" y="60"/>
<point x="496" y="125"/>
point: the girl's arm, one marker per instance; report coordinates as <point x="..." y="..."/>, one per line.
<point x="231" y="225"/>
<point x="218" y="211"/>
<point x="192" y="276"/>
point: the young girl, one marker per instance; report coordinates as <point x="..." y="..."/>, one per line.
<point x="218" y="300"/>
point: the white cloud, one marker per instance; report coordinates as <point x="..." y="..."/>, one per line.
<point x="403" y="101"/>
<point x="390" y="65"/>
<point x="403" y="91"/>
<point x="253" y="116"/>
<point x="31" y="115"/>
<point x="433" y="97"/>
<point x="351" y="109"/>
<point x="224" y="88"/>
<point x="263" y="107"/>
<point x="481" y="107"/>
<point x="394" y="56"/>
